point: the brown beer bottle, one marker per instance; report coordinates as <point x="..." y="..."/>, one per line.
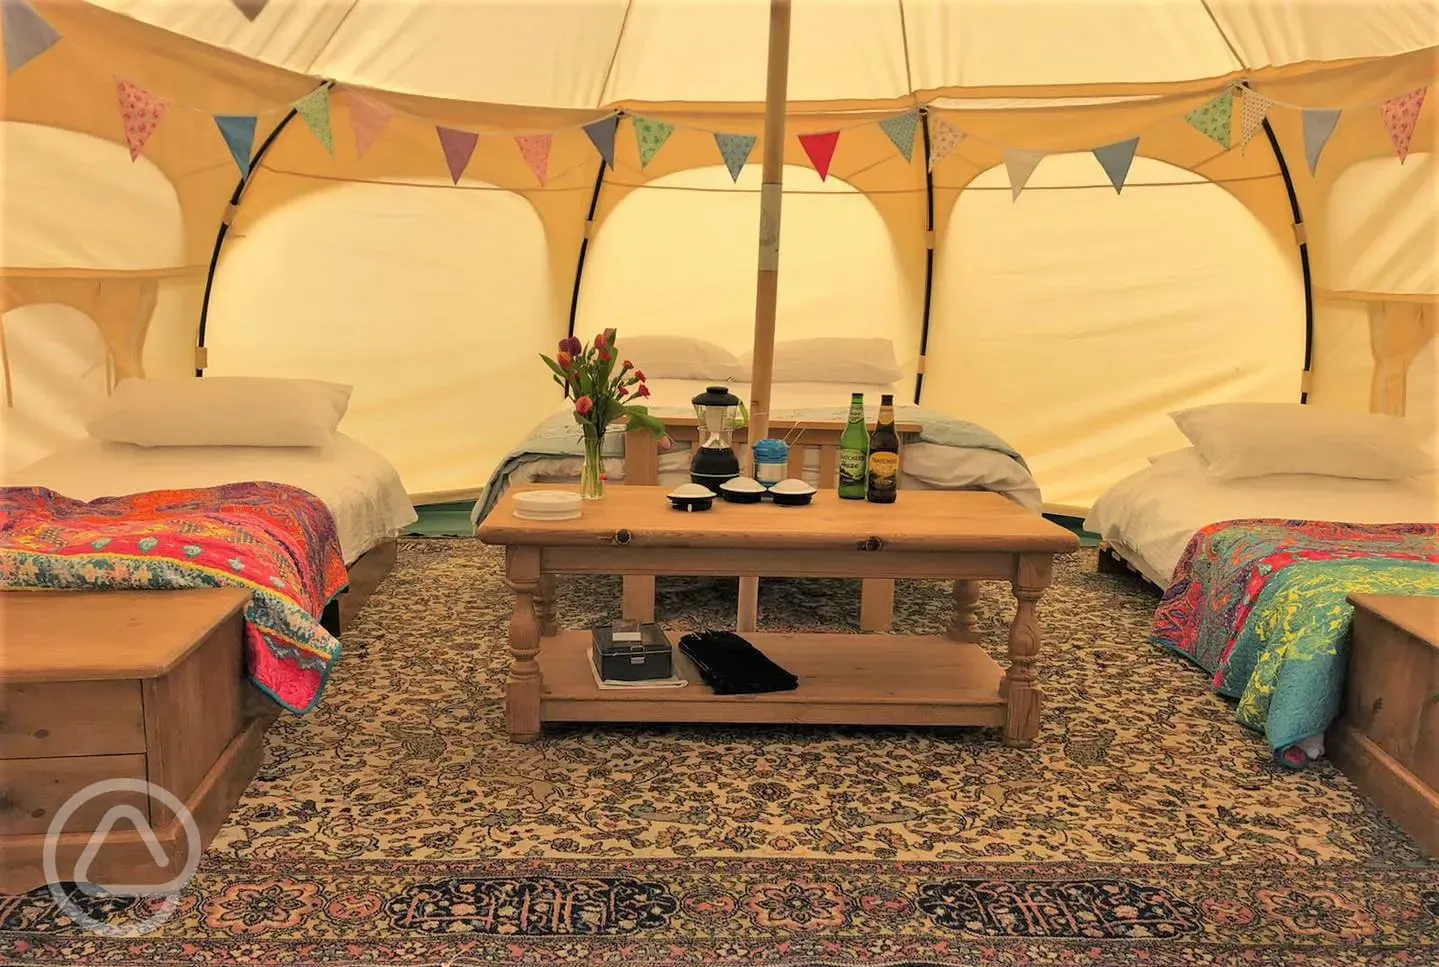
<point x="884" y="455"/>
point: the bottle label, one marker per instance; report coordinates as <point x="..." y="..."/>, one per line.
<point x="883" y="468"/>
<point x="851" y="465"/>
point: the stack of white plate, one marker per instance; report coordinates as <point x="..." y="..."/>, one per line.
<point x="547" y="505"/>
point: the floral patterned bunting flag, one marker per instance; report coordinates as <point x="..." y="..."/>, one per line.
<point x="368" y="120"/>
<point x="458" y="146"/>
<point x="943" y="139"/>
<point x="314" y="109"/>
<point x="900" y="131"/>
<point x="1214" y="118"/>
<point x="1253" y="109"/>
<point x="651" y="135"/>
<point x="735" y="150"/>
<point x="535" y="149"/>
<point x="141" y="113"/>
<point x="819" y="148"/>
<point x="1401" y="116"/>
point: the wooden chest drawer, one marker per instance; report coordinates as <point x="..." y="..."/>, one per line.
<point x="33" y="790"/>
<point x="71" y="718"/>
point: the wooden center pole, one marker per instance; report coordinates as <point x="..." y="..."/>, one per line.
<point x="767" y="285"/>
<point x="771" y="195"/>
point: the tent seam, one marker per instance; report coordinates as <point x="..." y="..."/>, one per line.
<point x="1233" y="51"/>
<point x="614" y="58"/>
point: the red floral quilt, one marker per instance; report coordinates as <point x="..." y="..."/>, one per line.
<point x="274" y="540"/>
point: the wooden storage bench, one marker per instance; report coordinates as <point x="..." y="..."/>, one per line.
<point x="98" y="685"/>
<point x="1387" y="740"/>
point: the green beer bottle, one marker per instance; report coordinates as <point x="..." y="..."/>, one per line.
<point x="854" y="452"/>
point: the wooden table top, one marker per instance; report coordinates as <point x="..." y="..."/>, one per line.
<point x="920" y="520"/>
<point x="1417" y="614"/>
<point x="68" y="636"/>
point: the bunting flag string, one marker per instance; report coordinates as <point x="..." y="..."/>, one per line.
<point x="1020" y="164"/>
<point x="819" y="148"/>
<point x="735" y="150"/>
<point x="1115" y="159"/>
<point x="27" y="34"/>
<point x="1214" y="119"/>
<point x="239" y="134"/>
<point x="1318" y="126"/>
<point x="459" y="147"/>
<point x="368" y="120"/>
<point x="1401" y="116"/>
<point x="314" y="109"/>
<point x="535" y="149"/>
<point x="1253" y="109"/>
<point x="900" y="131"/>
<point x="943" y="139"/>
<point x="141" y="113"/>
<point x="651" y="135"/>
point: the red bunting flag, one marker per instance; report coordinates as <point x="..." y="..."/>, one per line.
<point x="141" y="113"/>
<point x="820" y="149"/>
<point x="1401" y="116"/>
<point x="535" y="149"/>
<point x="459" y="146"/>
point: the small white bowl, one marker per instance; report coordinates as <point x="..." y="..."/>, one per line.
<point x="547" y="505"/>
<point x="742" y="490"/>
<point x="792" y="492"/>
<point x="691" y="497"/>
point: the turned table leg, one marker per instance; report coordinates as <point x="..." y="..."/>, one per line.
<point x="545" y="605"/>
<point x="1020" y="685"/>
<point x="522" y="690"/>
<point x="964" y="625"/>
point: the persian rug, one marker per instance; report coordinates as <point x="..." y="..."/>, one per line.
<point x="276" y="541"/>
<point x="396" y="824"/>
<point x="1262" y="606"/>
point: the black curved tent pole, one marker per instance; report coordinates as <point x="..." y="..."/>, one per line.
<point x="585" y="247"/>
<point x="1304" y="268"/>
<point x="928" y="255"/>
<point x="224" y="230"/>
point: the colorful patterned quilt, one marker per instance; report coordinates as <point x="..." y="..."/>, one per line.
<point x="1262" y="606"/>
<point x="274" y="540"/>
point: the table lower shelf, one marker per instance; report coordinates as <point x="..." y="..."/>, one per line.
<point x="845" y="679"/>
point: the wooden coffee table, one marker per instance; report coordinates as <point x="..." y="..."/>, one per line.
<point x="858" y="679"/>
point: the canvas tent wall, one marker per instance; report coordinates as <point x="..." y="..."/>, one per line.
<point x="1070" y="319"/>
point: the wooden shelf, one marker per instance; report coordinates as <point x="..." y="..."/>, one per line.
<point x="845" y="679"/>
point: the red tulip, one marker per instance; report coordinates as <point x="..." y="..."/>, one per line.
<point x="565" y="360"/>
<point x="626" y="366"/>
<point x="605" y="357"/>
<point x="601" y="341"/>
<point x="643" y="390"/>
<point x="583" y="405"/>
<point x="640" y="375"/>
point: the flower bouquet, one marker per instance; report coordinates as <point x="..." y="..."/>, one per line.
<point x="604" y="393"/>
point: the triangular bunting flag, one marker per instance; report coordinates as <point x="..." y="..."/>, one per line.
<point x="1253" y="109"/>
<point x="314" y="108"/>
<point x="651" y="135"/>
<point x="900" y="130"/>
<point x="458" y="147"/>
<point x="820" y="150"/>
<point x="1401" y="116"/>
<point x="140" y="112"/>
<point x="368" y="120"/>
<point x="535" y="149"/>
<point x="238" y="130"/>
<point x="1318" y="126"/>
<point x="735" y="150"/>
<point x="250" y="8"/>
<point x="1215" y="118"/>
<point x="602" y="135"/>
<point x="1115" y="159"/>
<point x="27" y="35"/>
<point x="943" y="139"/>
<point x="1020" y="163"/>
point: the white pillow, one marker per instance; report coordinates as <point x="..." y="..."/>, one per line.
<point x="680" y="357"/>
<point x="222" y="411"/>
<point x="1239" y="440"/>
<point x="834" y="359"/>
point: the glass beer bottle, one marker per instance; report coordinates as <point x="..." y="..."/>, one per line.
<point x="853" y="451"/>
<point x="884" y="455"/>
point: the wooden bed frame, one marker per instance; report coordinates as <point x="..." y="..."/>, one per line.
<point x="876" y="607"/>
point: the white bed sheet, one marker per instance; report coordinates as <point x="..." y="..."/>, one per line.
<point x="927" y="466"/>
<point x="361" y="488"/>
<point x="1150" y="515"/>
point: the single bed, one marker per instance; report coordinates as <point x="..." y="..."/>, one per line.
<point x="1257" y="535"/>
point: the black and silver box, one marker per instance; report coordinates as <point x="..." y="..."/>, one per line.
<point x="628" y="651"/>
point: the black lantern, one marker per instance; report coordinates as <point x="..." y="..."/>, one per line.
<point x="715" y="461"/>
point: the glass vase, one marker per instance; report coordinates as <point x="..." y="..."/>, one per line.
<point x="592" y="478"/>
